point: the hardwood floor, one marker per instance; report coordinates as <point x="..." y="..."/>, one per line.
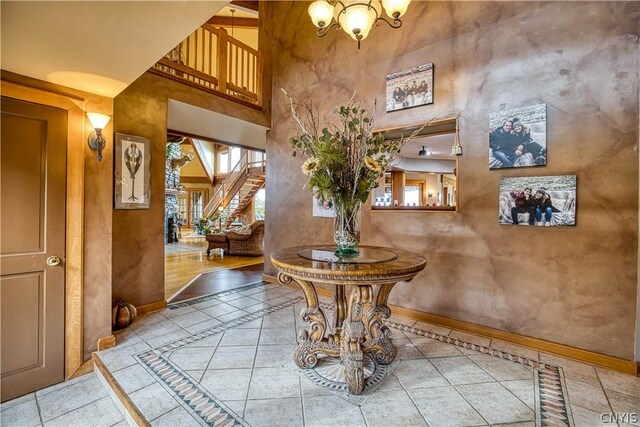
<point x="220" y="281"/>
<point x="186" y="260"/>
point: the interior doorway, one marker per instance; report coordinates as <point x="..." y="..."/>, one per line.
<point x="211" y="188"/>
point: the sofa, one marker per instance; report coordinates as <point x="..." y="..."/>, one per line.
<point x="245" y="241"/>
<point x="250" y="244"/>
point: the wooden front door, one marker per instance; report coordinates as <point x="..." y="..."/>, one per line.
<point x="33" y="171"/>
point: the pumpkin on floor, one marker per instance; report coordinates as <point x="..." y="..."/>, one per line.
<point x="123" y="315"/>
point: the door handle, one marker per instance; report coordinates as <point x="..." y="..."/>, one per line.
<point x="52" y="261"/>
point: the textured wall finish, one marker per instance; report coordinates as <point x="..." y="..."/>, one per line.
<point x="574" y="286"/>
<point x="98" y="202"/>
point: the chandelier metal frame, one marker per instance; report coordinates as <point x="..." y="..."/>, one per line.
<point x="324" y="29"/>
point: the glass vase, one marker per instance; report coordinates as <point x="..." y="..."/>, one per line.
<point x="346" y="230"/>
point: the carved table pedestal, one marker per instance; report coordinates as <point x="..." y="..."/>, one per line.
<point x="357" y="327"/>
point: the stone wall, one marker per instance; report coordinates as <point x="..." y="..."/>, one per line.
<point x="171" y="181"/>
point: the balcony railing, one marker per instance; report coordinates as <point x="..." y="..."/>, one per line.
<point x="211" y="60"/>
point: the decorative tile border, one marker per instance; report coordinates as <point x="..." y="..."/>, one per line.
<point x="550" y="389"/>
<point x="210" y="410"/>
<point x="206" y="406"/>
<point x="331" y="375"/>
<point x="196" y="300"/>
<point x="550" y="394"/>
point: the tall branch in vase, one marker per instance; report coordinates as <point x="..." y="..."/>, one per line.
<point x="345" y="161"/>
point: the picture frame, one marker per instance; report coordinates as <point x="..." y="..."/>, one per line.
<point x="132" y="159"/>
<point x="518" y="137"/>
<point x="323" y="210"/>
<point x="410" y="88"/>
<point x="538" y="200"/>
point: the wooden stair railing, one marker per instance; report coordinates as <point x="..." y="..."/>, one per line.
<point x="211" y="60"/>
<point x="252" y="185"/>
<point x="223" y="194"/>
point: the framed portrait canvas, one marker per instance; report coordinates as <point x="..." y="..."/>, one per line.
<point x="410" y="88"/>
<point x="132" y="161"/>
<point x="538" y="201"/>
<point x="518" y="137"/>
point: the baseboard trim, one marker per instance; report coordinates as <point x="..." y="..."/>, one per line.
<point x="581" y="355"/>
<point x="123" y="399"/>
<point x="106" y="342"/>
<point x="593" y="358"/>
<point x="154" y="306"/>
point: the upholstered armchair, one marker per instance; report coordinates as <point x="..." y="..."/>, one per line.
<point x="247" y="244"/>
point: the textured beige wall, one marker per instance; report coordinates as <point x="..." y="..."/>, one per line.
<point x="98" y="202"/>
<point x="575" y="286"/>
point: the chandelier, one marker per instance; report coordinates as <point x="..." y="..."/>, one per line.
<point x="355" y="17"/>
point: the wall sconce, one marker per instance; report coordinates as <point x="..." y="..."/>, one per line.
<point x="96" y="139"/>
<point x="430" y="194"/>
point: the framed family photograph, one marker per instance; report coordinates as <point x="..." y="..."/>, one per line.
<point x="518" y="137"/>
<point x="538" y="201"/>
<point x="323" y="209"/>
<point x="410" y="88"/>
<point x="132" y="160"/>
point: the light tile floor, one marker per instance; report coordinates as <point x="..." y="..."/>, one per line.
<point x="225" y="362"/>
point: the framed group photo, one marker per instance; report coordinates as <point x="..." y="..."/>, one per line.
<point x="132" y="160"/>
<point x="538" y="201"/>
<point x="410" y="88"/>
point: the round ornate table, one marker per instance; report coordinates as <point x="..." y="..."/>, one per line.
<point x="357" y="326"/>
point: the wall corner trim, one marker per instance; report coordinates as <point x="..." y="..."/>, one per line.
<point x="106" y="342"/>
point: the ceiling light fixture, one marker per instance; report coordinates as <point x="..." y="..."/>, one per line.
<point x="424" y="152"/>
<point x="355" y="17"/>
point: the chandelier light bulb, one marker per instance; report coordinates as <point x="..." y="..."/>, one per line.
<point x="321" y="13"/>
<point x="358" y="19"/>
<point x="395" y="8"/>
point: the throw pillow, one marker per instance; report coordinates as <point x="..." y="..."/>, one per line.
<point x="245" y="230"/>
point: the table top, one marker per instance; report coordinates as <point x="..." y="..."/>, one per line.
<point x="374" y="265"/>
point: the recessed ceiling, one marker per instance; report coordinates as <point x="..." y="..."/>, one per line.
<point x="438" y="145"/>
<point x="95" y="46"/>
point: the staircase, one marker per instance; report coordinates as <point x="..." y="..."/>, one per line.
<point x="234" y="194"/>
<point x="243" y="197"/>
